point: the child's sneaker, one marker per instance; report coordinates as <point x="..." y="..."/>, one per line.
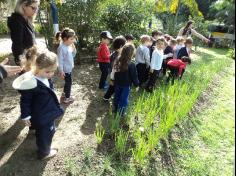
<point x="69" y="100"/>
<point x="106" y="99"/>
<point x="52" y="154"/>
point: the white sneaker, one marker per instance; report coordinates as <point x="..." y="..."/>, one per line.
<point x="52" y="154"/>
<point x="69" y="100"/>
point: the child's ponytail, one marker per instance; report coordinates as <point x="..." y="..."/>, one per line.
<point x="28" y="58"/>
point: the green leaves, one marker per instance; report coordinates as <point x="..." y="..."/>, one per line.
<point x="172" y="6"/>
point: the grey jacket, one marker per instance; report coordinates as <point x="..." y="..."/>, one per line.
<point x="143" y="55"/>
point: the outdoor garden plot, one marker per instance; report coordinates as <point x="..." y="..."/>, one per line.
<point x="123" y="151"/>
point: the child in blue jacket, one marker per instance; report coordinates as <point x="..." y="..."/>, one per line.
<point x="124" y="75"/>
<point x="39" y="104"/>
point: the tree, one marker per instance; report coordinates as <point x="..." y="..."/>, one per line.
<point x="224" y="11"/>
<point x="169" y="11"/>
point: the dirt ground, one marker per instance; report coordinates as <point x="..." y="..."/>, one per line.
<point x="75" y="131"/>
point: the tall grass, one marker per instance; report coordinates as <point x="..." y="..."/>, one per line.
<point x="152" y="116"/>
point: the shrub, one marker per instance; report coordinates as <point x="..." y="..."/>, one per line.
<point x="231" y="53"/>
<point x="3" y="28"/>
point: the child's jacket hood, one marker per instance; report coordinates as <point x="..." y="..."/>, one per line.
<point x="26" y="81"/>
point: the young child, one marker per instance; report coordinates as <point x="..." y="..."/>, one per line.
<point x="104" y="58"/>
<point x="155" y="36"/>
<point x="186" y="51"/>
<point x="179" y="46"/>
<point x="130" y="38"/>
<point x="169" y="50"/>
<point x="124" y="75"/>
<point x="56" y="41"/>
<point x="118" y="44"/>
<point x="177" y="68"/>
<point x="66" y="53"/>
<point x="28" y="59"/>
<point x="143" y="59"/>
<point x="39" y="104"/>
<point x="156" y="64"/>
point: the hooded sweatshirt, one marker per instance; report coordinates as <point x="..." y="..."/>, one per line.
<point x="38" y="101"/>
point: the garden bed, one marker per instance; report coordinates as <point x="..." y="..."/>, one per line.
<point x="79" y="153"/>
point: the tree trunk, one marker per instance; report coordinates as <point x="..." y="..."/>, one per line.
<point x="177" y="14"/>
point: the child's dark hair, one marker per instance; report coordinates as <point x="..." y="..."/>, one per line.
<point x="186" y="59"/>
<point x="189" y="40"/>
<point x="129" y="37"/>
<point x="58" y="36"/>
<point x="45" y="60"/>
<point x="126" y="57"/>
<point x="67" y="33"/>
<point x="168" y="37"/>
<point x="118" y="42"/>
<point x="155" y="33"/>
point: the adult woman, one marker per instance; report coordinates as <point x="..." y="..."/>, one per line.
<point x="7" y="70"/>
<point x="188" y="31"/>
<point x="21" y="26"/>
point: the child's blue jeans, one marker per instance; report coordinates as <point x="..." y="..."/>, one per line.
<point x="121" y="100"/>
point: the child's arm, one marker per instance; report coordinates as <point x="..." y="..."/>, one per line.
<point x="25" y="105"/>
<point x="74" y="50"/>
<point x="147" y="56"/>
<point x="154" y="61"/>
<point x="61" y="57"/>
<point x="134" y="75"/>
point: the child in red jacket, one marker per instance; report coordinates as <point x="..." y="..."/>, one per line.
<point x="104" y="58"/>
<point x="177" y="68"/>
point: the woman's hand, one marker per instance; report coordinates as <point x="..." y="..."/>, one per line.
<point x="11" y="70"/>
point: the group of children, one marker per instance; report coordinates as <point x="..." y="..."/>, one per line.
<point x="39" y="104"/>
<point x="142" y="67"/>
<point x="126" y="66"/>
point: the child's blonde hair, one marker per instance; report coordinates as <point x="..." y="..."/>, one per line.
<point x="145" y="38"/>
<point x="189" y="40"/>
<point x="173" y="42"/>
<point x="180" y="40"/>
<point x="45" y="60"/>
<point x="28" y="58"/>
